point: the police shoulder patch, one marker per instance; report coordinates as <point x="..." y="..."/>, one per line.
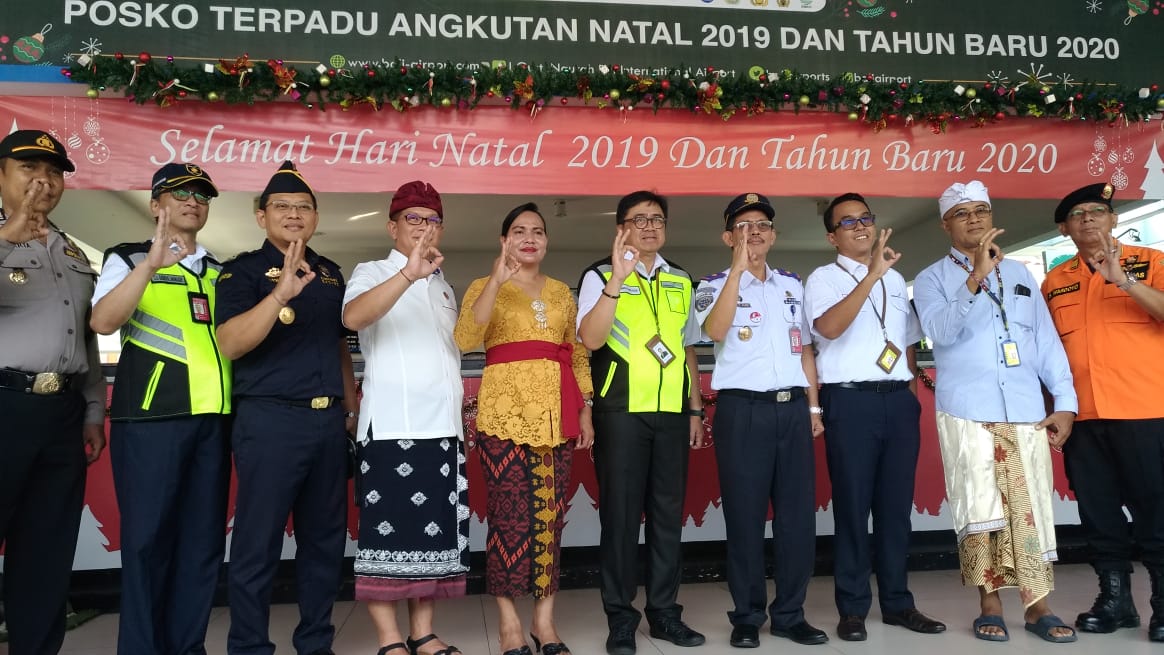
<point x="704" y="297"/>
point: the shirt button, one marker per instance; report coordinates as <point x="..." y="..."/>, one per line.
<point x="60" y="275"/>
<point x="66" y="302"/>
<point x="32" y="261"/>
<point x="70" y="330"/>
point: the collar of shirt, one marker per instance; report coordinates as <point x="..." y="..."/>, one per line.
<point x="854" y="267"/>
<point x="659" y="263"/>
<point x="747" y="279"/>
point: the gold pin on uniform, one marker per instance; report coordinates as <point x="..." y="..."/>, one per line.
<point x="287" y="316"/>
<point x="273" y="274"/>
<point x="745" y="333"/>
<point x="18" y="276"/>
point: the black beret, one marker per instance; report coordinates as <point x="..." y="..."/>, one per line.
<point x="286" y="180"/>
<point x="34" y="144"/>
<point x="172" y="176"/>
<point x="745" y="202"/>
<point x="1101" y="193"/>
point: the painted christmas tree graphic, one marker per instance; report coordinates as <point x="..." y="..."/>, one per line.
<point x="1153" y="185"/>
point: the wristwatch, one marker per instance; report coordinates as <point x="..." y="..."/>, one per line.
<point x="815" y="410"/>
<point x="1130" y="281"/>
<point x="697" y="412"/>
<point x="589" y="402"/>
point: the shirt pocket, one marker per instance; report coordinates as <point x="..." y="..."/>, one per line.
<point x="676" y="301"/>
<point x="25" y="278"/>
<point x="1068" y="317"/>
<point x="1021" y="312"/>
<point x="1118" y="307"/>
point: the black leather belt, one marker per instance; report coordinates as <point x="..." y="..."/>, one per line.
<point x="42" y="384"/>
<point x="319" y="402"/>
<point x="879" y="386"/>
<point x="777" y="396"/>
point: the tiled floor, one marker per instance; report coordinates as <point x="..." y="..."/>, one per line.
<point x="471" y="623"/>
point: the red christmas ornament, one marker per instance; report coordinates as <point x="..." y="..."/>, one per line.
<point x="144" y="57"/>
<point x="616" y="68"/>
<point x="181" y="94"/>
<point x="403" y="70"/>
<point x="118" y="56"/>
<point x="904" y="86"/>
<point x="665" y="84"/>
<point x="564" y="101"/>
<point x="371" y="73"/>
<point x="661" y="96"/>
<point x="999" y="116"/>
<point x="170" y="59"/>
<point x="710" y="70"/>
<point x="987" y="86"/>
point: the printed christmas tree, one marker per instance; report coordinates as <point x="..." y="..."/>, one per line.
<point x="1153" y="185"/>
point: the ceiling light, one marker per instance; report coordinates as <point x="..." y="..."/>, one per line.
<point x="365" y="215"/>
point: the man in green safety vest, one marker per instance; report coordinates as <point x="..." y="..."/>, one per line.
<point x="170" y="399"/>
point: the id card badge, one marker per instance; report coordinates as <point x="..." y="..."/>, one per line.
<point x="1010" y="354"/>
<point x="200" y="308"/>
<point x="888" y="357"/>
<point x="660" y="351"/>
<point x="794" y="341"/>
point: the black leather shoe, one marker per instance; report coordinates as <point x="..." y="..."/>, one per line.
<point x="745" y="636"/>
<point x="914" y="620"/>
<point x="801" y="633"/>
<point x="621" y="641"/>
<point x="676" y="632"/>
<point x="852" y="628"/>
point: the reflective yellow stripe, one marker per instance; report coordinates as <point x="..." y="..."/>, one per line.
<point x="609" y="379"/>
<point x="152" y="387"/>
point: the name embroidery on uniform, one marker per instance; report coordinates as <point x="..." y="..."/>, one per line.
<point x="1139" y="269"/>
<point x="165" y="278"/>
<point x="1070" y="288"/>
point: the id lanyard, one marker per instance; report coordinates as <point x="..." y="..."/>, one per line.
<point x="653" y="302"/>
<point x="1009" y="347"/>
<point x="655" y="345"/>
<point x="890" y="353"/>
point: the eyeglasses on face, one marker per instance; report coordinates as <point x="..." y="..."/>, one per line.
<point x="753" y="226"/>
<point x="285" y="207"/>
<point x="641" y="221"/>
<point x="1090" y="212"/>
<point x="980" y="212"/>
<point x="850" y="222"/>
<point x="182" y="195"/>
<point x="417" y="219"/>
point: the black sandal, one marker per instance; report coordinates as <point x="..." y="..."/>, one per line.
<point x="414" y="646"/>
<point x="551" y="648"/>
<point x="384" y="650"/>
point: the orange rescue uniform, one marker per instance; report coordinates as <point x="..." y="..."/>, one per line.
<point x="1114" y="346"/>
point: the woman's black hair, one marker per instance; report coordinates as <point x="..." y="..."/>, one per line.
<point x="518" y="211"/>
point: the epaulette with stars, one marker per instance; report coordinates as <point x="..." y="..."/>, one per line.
<point x="712" y="276"/>
<point x="785" y="273"/>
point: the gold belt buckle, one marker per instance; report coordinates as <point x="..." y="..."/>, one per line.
<point x="321" y="402"/>
<point x="783" y="396"/>
<point x="47" y="383"/>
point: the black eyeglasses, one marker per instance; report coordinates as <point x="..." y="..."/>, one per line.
<point x="182" y="195"/>
<point x="1090" y="212"/>
<point x="850" y="223"/>
<point x="641" y="221"/>
<point x="417" y="219"/>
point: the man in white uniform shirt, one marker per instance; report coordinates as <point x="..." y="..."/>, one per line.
<point x="413" y="496"/>
<point x="766" y="378"/>
<point x="865" y="330"/>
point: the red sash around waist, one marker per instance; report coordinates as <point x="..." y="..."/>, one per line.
<point x="562" y="353"/>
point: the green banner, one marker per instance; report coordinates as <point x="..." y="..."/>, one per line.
<point x="1040" y="41"/>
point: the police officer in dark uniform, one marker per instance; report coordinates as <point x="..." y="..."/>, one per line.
<point x="279" y="319"/>
<point x="167" y="439"/>
<point x="52" y="393"/>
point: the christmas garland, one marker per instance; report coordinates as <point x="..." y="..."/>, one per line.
<point x="163" y="81"/>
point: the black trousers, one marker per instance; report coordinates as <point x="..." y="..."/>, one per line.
<point x="1112" y="464"/>
<point x="641" y="464"/>
<point x="42" y="489"/>
<point x="290" y="461"/>
<point x="764" y="454"/>
<point x="871" y="441"/>
<point x="171" y="478"/>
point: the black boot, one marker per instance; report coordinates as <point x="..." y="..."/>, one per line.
<point x="1113" y="606"/>
<point x="1156" y="624"/>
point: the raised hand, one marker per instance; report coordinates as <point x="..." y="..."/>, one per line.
<point x="290" y="283"/>
<point x="27" y="224"/>
<point x="1106" y="261"/>
<point x="161" y="253"/>
<point x="741" y="256"/>
<point x="621" y="265"/>
<point x="987" y="255"/>
<point x="882" y="257"/>
<point x="424" y="258"/>
<point x="505" y="265"/>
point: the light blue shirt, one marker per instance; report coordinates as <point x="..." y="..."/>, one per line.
<point x="967" y="330"/>
<point x="766" y="311"/>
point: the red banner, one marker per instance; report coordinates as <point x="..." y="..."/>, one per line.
<point x="583" y="151"/>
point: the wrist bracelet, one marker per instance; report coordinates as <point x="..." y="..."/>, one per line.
<point x="612" y="297"/>
<point x="697" y="412"/>
<point x="410" y="280"/>
<point x="815" y="410"/>
<point x="1128" y="283"/>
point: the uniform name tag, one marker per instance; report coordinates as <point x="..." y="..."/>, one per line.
<point x="166" y="278"/>
<point x="660" y="351"/>
<point x="200" y="308"/>
<point x="888" y="357"/>
<point x="1010" y="353"/>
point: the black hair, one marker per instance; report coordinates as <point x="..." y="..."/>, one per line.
<point x="518" y="211"/>
<point x="843" y="198"/>
<point x="632" y="199"/>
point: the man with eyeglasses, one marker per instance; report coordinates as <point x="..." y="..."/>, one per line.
<point x="167" y="438"/>
<point x="634" y="313"/>
<point x="865" y="334"/>
<point x="995" y="348"/>
<point x="766" y="418"/>
<point x="1108" y="303"/>
<point x="279" y="319"/>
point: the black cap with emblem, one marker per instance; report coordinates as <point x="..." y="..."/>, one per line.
<point x="746" y="202"/>
<point x="172" y="176"/>
<point x="34" y="144"/>
<point x="286" y="180"/>
<point x="1101" y="193"/>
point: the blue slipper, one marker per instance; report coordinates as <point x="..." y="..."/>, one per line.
<point x="1049" y="622"/>
<point x="991" y="620"/>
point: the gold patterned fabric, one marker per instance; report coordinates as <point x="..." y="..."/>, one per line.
<point x="1011" y="556"/>
<point x="521" y="401"/>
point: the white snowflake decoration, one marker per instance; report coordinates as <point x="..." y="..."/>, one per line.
<point x="997" y="78"/>
<point x="67" y="58"/>
<point x="1033" y="76"/>
<point x="373" y="497"/>
<point x="385" y="528"/>
<point x="91" y="47"/>
<point x="1094" y="6"/>
<point x="418" y="499"/>
<point x="404" y="470"/>
<point x="1065" y="80"/>
<point x="432" y="529"/>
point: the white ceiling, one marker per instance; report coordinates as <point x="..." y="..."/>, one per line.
<point x="104" y="218"/>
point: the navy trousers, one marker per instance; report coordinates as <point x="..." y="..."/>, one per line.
<point x="290" y="461"/>
<point x="764" y="455"/>
<point x="42" y="489"/>
<point x="872" y="441"/>
<point x="171" y="477"/>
